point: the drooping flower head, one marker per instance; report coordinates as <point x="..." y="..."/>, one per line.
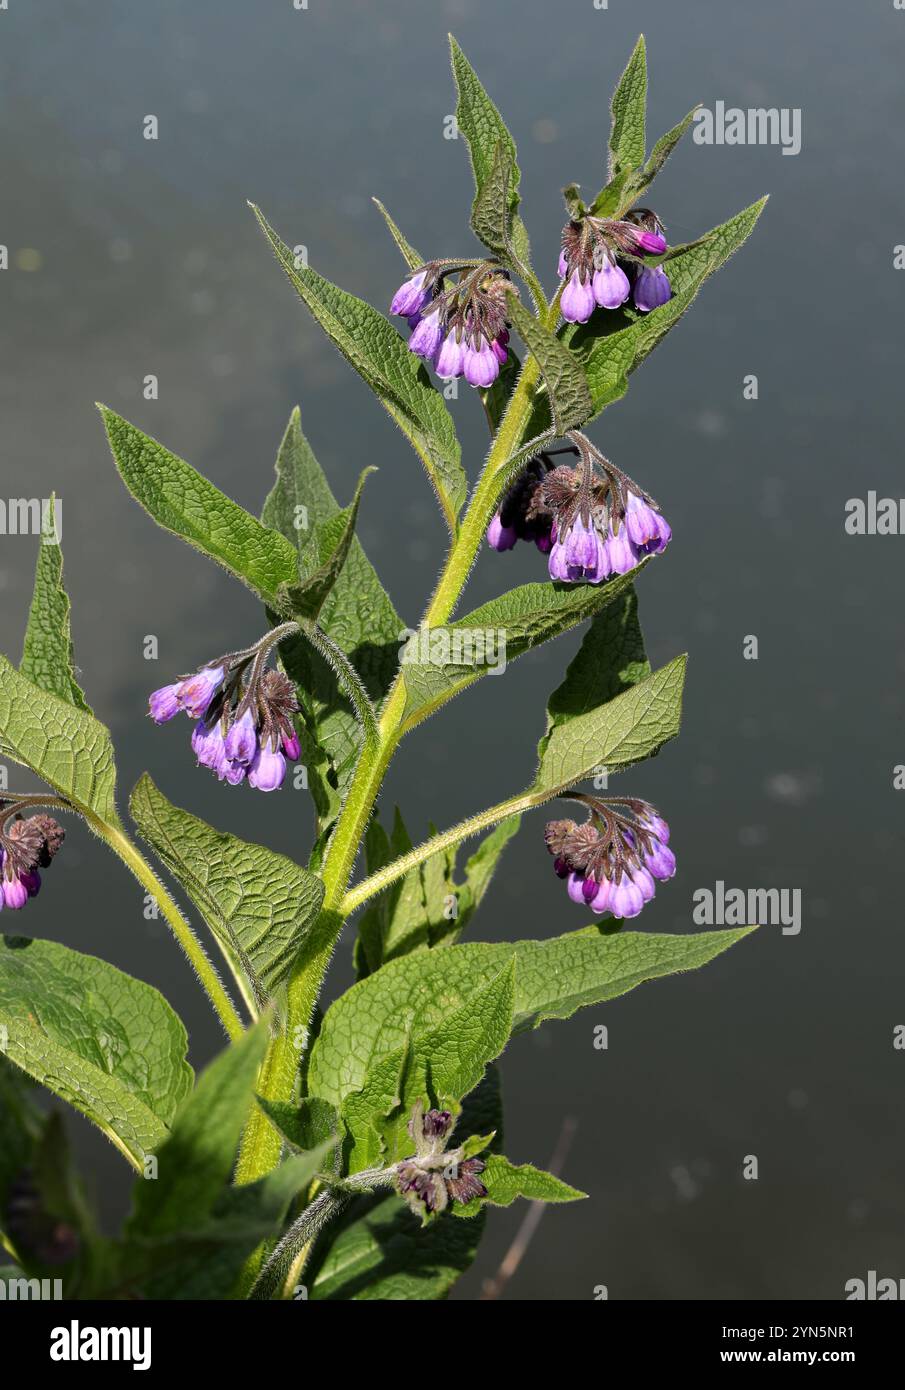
<point x="457" y="311"/>
<point x="595" y="254"/>
<point x="433" y="1176"/>
<point x="244" y="716"/>
<point x="25" y="846"/>
<point x="522" y="514"/>
<point x="590" y="518"/>
<point x="610" y="861"/>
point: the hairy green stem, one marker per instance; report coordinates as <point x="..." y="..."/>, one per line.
<point x="262" y="1146"/>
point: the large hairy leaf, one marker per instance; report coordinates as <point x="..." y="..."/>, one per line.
<point x="258" y="904"/>
<point x="614" y="735"/>
<point x="412" y="997"/>
<point x="184" y="502"/>
<point x="373" y="347"/>
<point x="61" y="743"/>
<point x="108" y="1044"/>
<point x="629" y="113"/>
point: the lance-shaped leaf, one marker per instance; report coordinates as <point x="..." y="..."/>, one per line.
<point x="108" y="1044"/>
<point x="441" y="1065"/>
<point x="553" y="979"/>
<point x="609" y="661"/>
<point x="195" y="1162"/>
<point x="614" y="342"/>
<point x="259" y="904"/>
<point x="440" y="662"/>
<point x="322" y="559"/>
<point x="63" y="745"/>
<point x="629" y="113"/>
<point x="412" y="258"/>
<point x="568" y="396"/>
<point x="357" y="614"/>
<point x="614" y="735"/>
<point x="184" y="502"/>
<point x="494" y="162"/>
<point x="396" y="376"/>
<point x="47" y="657"/>
<point x="505" y="1182"/>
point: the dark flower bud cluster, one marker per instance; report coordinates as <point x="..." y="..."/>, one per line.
<point x="590" y="518"/>
<point x="589" y="262"/>
<point x="26" y="845"/>
<point x="433" y="1176"/>
<point x="244" y="713"/>
<point x="457" y="312"/>
<point x="610" y="862"/>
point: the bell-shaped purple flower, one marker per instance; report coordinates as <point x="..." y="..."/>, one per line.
<point x="626" y="898"/>
<point x="557" y="564"/>
<point x="562" y="266"/>
<point x="660" y="860"/>
<point x="481" y="365"/>
<point x="654" y="243"/>
<point x="657" y="826"/>
<point x="611" y="285"/>
<point x="601" y="901"/>
<point x="643" y="880"/>
<point x="207" y="745"/>
<point x="575" y="887"/>
<point x="500" y="537"/>
<point x="646" y="528"/>
<point x="268" y="770"/>
<point x="15" y="893"/>
<point x="411" y="295"/>
<point x="292" y="749"/>
<point x="450" y="361"/>
<point x="581" y="546"/>
<point x="196" y="692"/>
<point x="621" y="556"/>
<point x="425" y="339"/>
<point x="651" y="288"/>
<point x="577" y="303"/>
<point x="164" y="704"/>
<point x="241" y="743"/>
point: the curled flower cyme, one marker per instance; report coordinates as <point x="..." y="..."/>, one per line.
<point x="457" y="312"/>
<point x="611" y="861"/>
<point x="589" y="262"/>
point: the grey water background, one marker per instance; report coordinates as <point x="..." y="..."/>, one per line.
<point x="130" y="257"/>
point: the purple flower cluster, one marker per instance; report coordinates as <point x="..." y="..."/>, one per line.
<point x="25" y="847"/>
<point x="590" y="519"/>
<point x="610" y="863"/>
<point x="458" y="325"/>
<point x="244" y="729"/>
<point x="589" y="262"/>
<point x="433" y="1176"/>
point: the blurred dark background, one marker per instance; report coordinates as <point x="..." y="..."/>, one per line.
<point x="130" y="257"/>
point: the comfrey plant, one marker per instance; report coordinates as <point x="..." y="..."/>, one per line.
<point x="300" y="1163"/>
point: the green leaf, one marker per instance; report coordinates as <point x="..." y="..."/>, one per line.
<point x="629" y="112"/>
<point x="259" y="904"/>
<point x="357" y="614"/>
<point x="196" y="1161"/>
<point x="494" y="162"/>
<point x="527" y="616"/>
<point x="413" y="259"/>
<point x="108" y="1044"/>
<point x="609" y="661"/>
<point x="479" y="870"/>
<point x="553" y="979"/>
<point x="613" y="343"/>
<point x="568" y="394"/>
<point x="505" y="1182"/>
<point x="309" y="1124"/>
<point x="396" y="376"/>
<point x="322" y="560"/>
<point x="62" y="745"/>
<point x="398" y="922"/>
<point x="182" y="501"/>
<point x="205" y="1260"/>
<point x="664" y="147"/>
<point x="47" y="657"/>
<point x="380" y="1252"/>
<point x="626" y="730"/>
<point x="440" y="1066"/>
